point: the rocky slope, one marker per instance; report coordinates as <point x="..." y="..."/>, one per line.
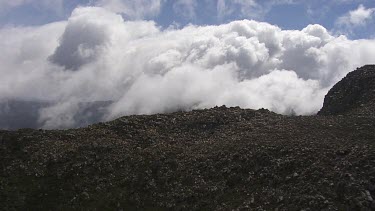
<point x="353" y="95"/>
<point x="215" y="159"/>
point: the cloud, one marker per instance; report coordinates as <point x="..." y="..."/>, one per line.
<point x="133" y="9"/>
<point x="247" y="8"/>
<point x="321" y="11"/>
<point x="77" y="48"/>
<point x="359" y="17"/>
<point x="135" y="67"/>
<point x="253" y="9"/>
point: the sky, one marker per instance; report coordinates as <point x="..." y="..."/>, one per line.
<point x="156" y="56"/>
<point x="354" y="18"/>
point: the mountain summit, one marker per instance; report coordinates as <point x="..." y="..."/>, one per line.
<point x="353" y="95"/>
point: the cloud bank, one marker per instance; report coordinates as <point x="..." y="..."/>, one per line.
<point x="97" y="56"/>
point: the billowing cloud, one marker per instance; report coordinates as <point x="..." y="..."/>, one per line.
<point x="356" y="18"/>
<point x="85" y="38"/>
<point x="134" y="67"/>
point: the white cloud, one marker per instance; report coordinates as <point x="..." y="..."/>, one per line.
<point x="321" y="10"/>
<point x="133" y="9"/>
<point x="253" y="9"/>
<point x="97" y="56"/>
<point x="356" y="18"/>
<point x="76" y="48"/>
<point x="246" y="8"/>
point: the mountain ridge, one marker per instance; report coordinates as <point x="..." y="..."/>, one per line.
<point x="353" y="95"/>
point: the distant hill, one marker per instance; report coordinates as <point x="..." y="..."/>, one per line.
<point x="16" y="114"/>
<point x="353" y="95"/>
<point x="214" y="159"/>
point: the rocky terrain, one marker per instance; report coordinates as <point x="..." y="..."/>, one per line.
<point x="353" y="95"/>
<point x="215" y="159"/>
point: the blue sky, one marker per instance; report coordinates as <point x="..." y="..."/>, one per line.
<point x="287" y="14"/>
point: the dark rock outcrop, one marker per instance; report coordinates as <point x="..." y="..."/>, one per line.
<point x="353" y="95"/>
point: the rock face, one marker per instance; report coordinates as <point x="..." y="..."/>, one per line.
<point x="353" y="95"/>
<point x="214" y="159"/>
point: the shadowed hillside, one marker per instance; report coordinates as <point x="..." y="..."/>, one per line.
<point x="353" y="95"/>
<point x="16" y="114"/>
<point x="215" y="159"/>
